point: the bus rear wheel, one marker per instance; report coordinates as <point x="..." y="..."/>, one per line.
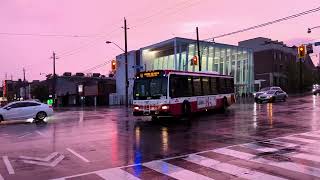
<point x="224" y="105"/>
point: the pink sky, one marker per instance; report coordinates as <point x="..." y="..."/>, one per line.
<point x="150" y="22"/>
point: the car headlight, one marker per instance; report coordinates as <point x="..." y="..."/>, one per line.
<point x="136" y="107"/>
<point x="254" y="94"/>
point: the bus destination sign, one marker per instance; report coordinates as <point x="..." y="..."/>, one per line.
<point x="149" y="74"/>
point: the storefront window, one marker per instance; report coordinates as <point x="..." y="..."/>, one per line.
<point x="224" y="59"/>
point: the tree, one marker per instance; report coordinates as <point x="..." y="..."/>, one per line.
<point x="41" y="92"/>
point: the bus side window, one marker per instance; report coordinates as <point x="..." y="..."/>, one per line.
<point x="205" y="85"/>
<point x="197" y="86"/>
<point x="180" y="86"/>
<point x="213" y="86"/>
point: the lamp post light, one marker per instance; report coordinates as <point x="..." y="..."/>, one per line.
<point x="309" y="29"/>
<point x="126" y="70"/>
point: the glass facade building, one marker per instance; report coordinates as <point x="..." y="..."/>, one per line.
<point x="177" y="54"/>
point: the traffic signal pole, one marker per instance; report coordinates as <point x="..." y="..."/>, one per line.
<point x="300" y="75"/>
<point x="198" y="45"/>
<point x="126" y="61"/>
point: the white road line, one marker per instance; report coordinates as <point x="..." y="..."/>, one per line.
<point x="174" y="171"/>
<point x="24" y="135"/>
<point x="41" y="134"/>
<point x="40" y="159"/>
<point x="116" y="174"/>
<point x="284" y="144"/>
<point x="1" y="177"/>
<point x="52" y="164"/>
<point x="300" y="139"/>
<point x="285" y="165"/>
<point x="307" y="157"/>
<point x="312" y="134"/>
<point x="78" y="155"/>
<point x="230" y="169"/>
<point x="260" y="148"/>
<point x="8" y="165"/>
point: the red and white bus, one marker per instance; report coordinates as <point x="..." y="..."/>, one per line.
<point x="173" y="93"/>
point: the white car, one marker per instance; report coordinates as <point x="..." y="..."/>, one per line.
<point x="21" y="110"/>
<point x="265" y="90"/>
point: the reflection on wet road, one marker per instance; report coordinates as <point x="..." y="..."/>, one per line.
<point x="98" y="139"/>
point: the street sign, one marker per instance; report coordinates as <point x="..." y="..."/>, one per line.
<point x="317" y="44"/>
<point x="309" y="48"/>
<point x="137" y="67"/>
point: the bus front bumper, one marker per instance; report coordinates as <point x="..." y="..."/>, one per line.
<point x="152" y="113"/>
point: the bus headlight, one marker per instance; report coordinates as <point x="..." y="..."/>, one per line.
<point x="164" y="107"/>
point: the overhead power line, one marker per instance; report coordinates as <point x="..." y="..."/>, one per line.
<point x="267" y="23"/>
<point x="50" y="35"/>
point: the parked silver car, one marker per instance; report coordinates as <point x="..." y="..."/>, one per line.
<point x="272" y="96"/>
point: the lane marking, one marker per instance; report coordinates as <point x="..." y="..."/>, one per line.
<point x="41" y="134"/>
<point x="307" y="157"/>
<point x="301" y="139"/>
<point x="1" y="177"/>
<point x="230" y="169"/>
<point x="48" y="158"/>
<point x="116" y="174"/>
<point x="8" y="165"/>
<point x="24" y="135"/>
<point x="260" y="148"/>
<point x="78" y="155"/>
<point x="285" y="165"/>
<point x="174" y="171"/>
<point x="52" y="164"/>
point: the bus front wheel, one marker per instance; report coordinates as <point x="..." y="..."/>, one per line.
<point x="186" y="110"/>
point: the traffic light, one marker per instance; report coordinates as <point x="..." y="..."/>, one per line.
<point x="302" y="51"/>
<point x="309" y="48"/>
<point x="194" y="60"/>
<point x="113" y="65"/>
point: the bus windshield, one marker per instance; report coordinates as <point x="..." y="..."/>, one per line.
<point x="150" y="88"/>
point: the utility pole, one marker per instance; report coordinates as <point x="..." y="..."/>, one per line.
<point x="198" y="45"/>
<point x="54" y="79"/>
<point x="126" y="61"/>
<point x="24" y="83"/>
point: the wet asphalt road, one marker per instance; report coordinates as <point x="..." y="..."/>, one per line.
<point x="76" y="141"/>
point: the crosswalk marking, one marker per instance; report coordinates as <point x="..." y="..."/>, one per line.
<point x="174" y="171"/>
<point x="312" y="134"/>
<point x="284" y="144"/>
<point x="300" y="139"/>
<point x="243" y="161"/>
<point x="229" y="168"/>
<point x="116" y="174"/>
<point x="307" y="157"/>
<point x="261" y="148"/>
<point x="285" y="165"/>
